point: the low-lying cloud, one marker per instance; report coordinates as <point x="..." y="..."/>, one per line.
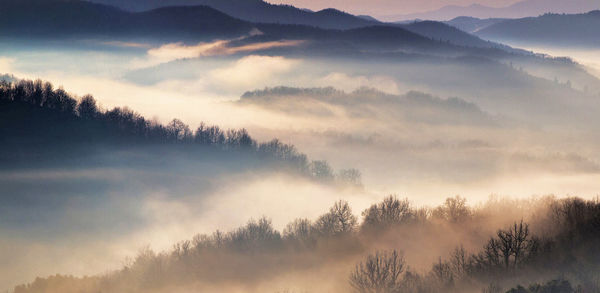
<point x="176" y="51"/>
<point x="425" y="145"/>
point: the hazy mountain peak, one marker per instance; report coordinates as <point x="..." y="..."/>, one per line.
<point x="332" y="11"/>
<point x="520" y="9"/>
<point x="257" y="11"/>
<point x="558" y="30"/>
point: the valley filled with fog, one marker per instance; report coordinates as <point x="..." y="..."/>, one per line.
<point x="410" y="114"/>
<point x="261" y="126"/>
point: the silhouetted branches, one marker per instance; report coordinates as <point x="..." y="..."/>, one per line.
<point x="379" y="273"/>
<point x="391" y="211"/>
<point x="513" y="255"/>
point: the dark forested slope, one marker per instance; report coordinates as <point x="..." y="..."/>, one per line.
<point x="52" y="19"/>
<point x="569" y="30"/>
<point x="257" y="11"/>
<point x="42" y="126"/>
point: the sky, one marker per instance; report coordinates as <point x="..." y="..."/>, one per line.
<point x="385" y="7"/>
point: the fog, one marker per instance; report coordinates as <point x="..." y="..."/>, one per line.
<point x="586" y="56"/>
<point x="425" y="129"/>
<point x="68" y="231"/>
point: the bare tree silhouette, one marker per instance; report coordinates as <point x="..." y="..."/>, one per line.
<point x="379" y="273"/>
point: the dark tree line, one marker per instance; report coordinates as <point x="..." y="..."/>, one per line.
<point x="380" y="273"/>
<point x="38" y="121"/>
<point x="514" y="255"/>
<point x="258" y="250"/>
<point x="554" y="286"/>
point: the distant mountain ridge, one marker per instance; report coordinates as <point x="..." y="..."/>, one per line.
<point x="367" y="103"/>
<point x="472" y="24"/>
<point x="447" y="33"/>
<point x="72" y="18"/>
<point x="570" y="30"/>
<point x="57" y="19"/>
<point x="256" y="11"/>
<point x="259" y="11"/>
<point x="525" y="8"/>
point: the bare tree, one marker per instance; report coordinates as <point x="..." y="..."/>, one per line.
<point x="321" y="170"/>
<point x="339" y="220"/>
<point x="490" y="257"/>
<point x="442" y="274"/>
<point x="343" y="214"/>
<point x="391" y="211"/>
<point x="300" y="232"/>
<point x="87" y="107"/>
<point x="508" y="249"/>
<point x="380" y="273"/>
<point x="521" y="242"/>
<point x="179" y="130"/>
<point x="514" y="242"/>
<point x="505" y="246"/>
<point x="454" y="210"/>
<point x="459" y="262"/>
<point x="350" y="176"/>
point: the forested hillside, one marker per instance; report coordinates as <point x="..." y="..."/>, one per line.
<point x="41" y="126"/>
<point x="554" y="250"/>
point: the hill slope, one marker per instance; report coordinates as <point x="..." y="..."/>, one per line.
<point x="525" y="8"/>
<point x="257" y="11"/>
<point x="80" y="20"/>
<point x="446" y="33"/>
<point x="472" y="24"/>
<point x="569" y="30"/>
<point x="64" y="18"/>
<point x="44" y="127"/>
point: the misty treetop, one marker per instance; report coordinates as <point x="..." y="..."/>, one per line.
<point x="39" y="122"/>
<point x="366" y="102"/>
<point x="556" y="252"/>
<point x="7" y="77"/>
